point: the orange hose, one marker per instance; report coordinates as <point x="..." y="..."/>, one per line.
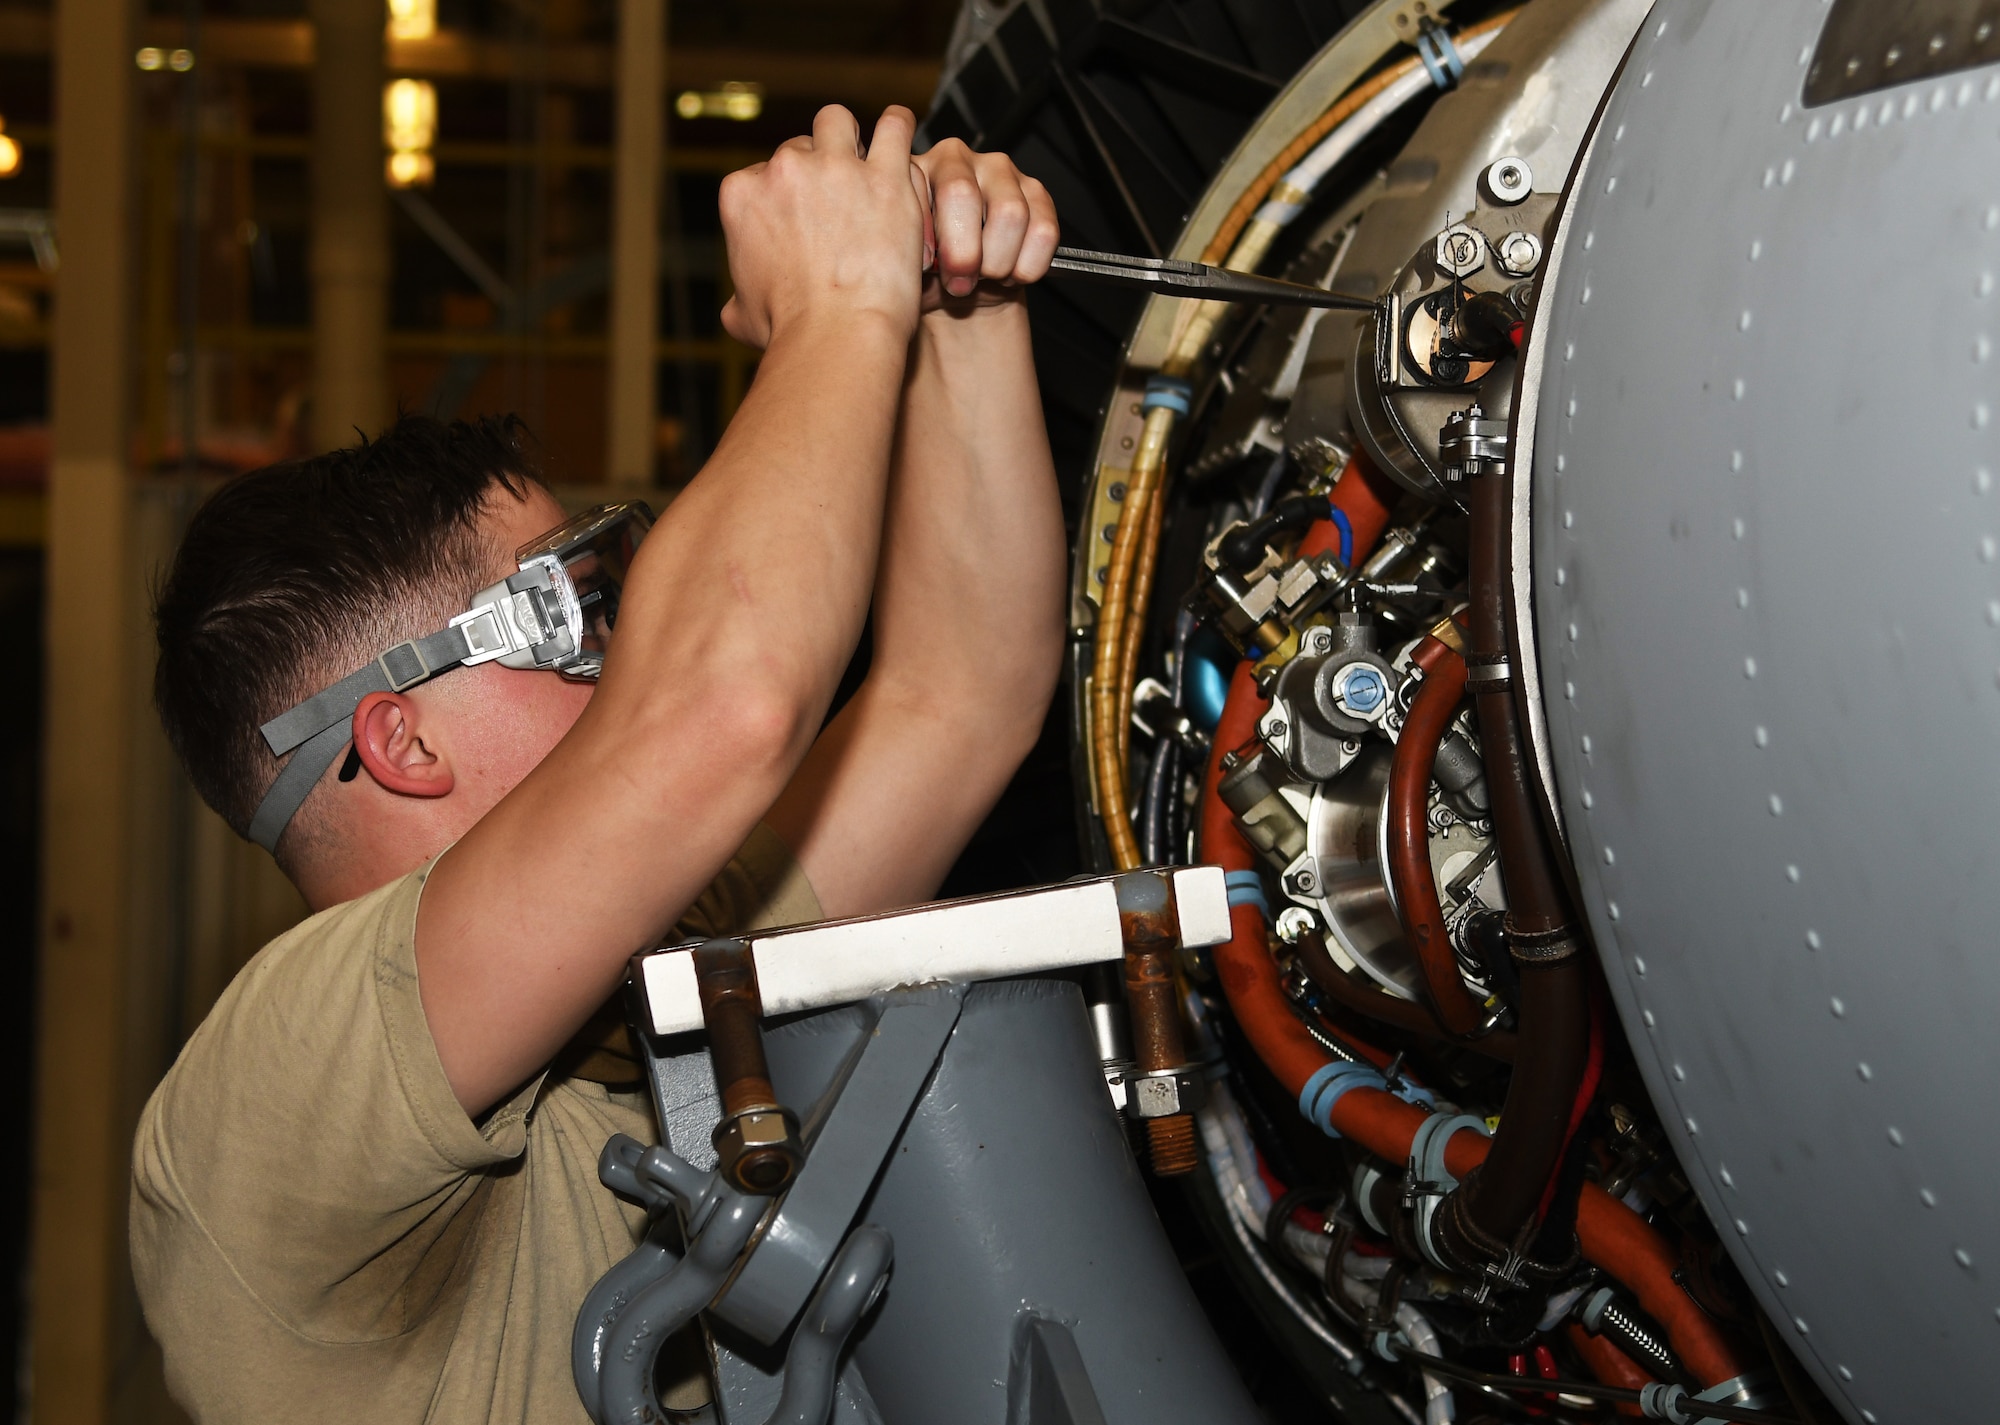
<point x="1367" y="497"/>
<point x="1612" y="1235"/>
<point x="1609" y="1364"/>
<point x="1410" y="836"/>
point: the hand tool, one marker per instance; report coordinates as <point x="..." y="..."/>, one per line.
<point x="1198" y="279"/>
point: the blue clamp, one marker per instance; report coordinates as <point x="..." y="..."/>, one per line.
<point x="1170" y="392"/>
<point x="1428" y="1178"/>
<point x="1247" y="888"/>
<point x="1336" y="1080"/>
<point x="1441" y="58"/>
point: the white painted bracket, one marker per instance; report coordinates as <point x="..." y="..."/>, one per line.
<point x="981" y="938"/>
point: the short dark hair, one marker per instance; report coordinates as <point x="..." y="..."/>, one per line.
<point x="293" y="576"/>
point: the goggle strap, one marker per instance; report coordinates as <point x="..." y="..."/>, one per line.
<point x="401" y="668"/>
<point x="316" y="730"/>
<point x="295" y="782"/>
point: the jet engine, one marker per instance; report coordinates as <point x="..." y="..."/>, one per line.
<point x="1582" y="664"/>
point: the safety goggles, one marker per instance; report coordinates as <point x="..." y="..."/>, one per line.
<point x="556" y="613"/>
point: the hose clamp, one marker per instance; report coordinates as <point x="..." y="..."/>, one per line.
<point x="1442" y="61"/>
<point x="1427" y="1180"/>
<point x="1247" y="888"/>
<point x="1366" y="1175"/>
<point x="1665" y="1401"/>
<point x="1333" y="1082"/>
<point x="1487" y="673"/>
<point x="1168" y="393"/>
<point x="1541" y="947"/>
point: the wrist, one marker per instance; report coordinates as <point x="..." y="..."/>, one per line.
<point x="859" y="325"/>
<point x="974" y="326"/>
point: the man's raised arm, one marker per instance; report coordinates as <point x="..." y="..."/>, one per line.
<point x="737" y="618"/>
<point x="968" y="630"/>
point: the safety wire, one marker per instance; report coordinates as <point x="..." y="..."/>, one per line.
<point x="1271" y="202"/>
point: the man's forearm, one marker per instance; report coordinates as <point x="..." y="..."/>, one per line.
<point x="974" y="522"/>
<point x="968" y="626"/>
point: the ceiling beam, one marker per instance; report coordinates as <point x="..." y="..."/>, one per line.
<point x="865" y="81"/>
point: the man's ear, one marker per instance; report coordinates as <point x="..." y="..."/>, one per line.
<point x="393" y="750"/>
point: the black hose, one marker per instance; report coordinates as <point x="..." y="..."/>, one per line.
<point x="1156" y="803"/>
<point x="1554" y="1007"/>
<point x="1243" y="549"/>
<point x="1282" y="1210"/>
<point x="1267" y="487"/>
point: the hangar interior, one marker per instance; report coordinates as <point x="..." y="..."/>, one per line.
<point x="1498" y="924"/>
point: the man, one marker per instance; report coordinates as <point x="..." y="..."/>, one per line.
<point x="362" y="1193"/>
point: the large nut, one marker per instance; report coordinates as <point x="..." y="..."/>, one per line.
<point x="1163" y="1093"/>
<point x="1461" y="251"/>
<point x="758" y="1151"/>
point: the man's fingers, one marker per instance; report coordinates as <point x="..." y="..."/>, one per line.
<point x="921" y="182"/>
<point x="895" y="131"/>
<point x="959" y="210"/>
<point x="835" y="130"/>
<point x="1038" y="247"/>
<point x="1006" y="216"/>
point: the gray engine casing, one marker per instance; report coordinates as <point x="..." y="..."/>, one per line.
<point x="1766" y="608"/>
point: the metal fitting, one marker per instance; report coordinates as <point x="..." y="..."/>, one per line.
<point x="1149" y="924"/>
<point x="1461" y="250"/>
<point x="757" y="1145"/>
<point x="1470" y="445"/>
<point x="1360" y="690"/>
<point x="1519" y="254"/>
<point x="1508" y="180"/>
<point x="758" y="1150"/>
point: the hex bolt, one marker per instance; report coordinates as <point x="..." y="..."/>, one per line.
<point x="757" y="1144"/>
<point x="1362" y="690"/>
<point x="1150" y="925"/>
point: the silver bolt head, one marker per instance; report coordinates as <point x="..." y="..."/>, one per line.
<point x="1520" y="254"/>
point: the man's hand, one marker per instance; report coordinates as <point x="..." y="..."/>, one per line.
<point x="995" y="227"/>
<point x="822" y="229"/>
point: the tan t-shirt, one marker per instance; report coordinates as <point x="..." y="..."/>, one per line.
<point x="319" y="1233"/>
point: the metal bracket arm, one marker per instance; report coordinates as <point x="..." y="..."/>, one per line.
<point x="983" y="938"/>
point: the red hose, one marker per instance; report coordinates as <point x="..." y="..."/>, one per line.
<point x="1612" y="1235"/>
<point x="1367" y="498"/>
<point x="1609" y="1364"/>
<point x="1410" y="836"/>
